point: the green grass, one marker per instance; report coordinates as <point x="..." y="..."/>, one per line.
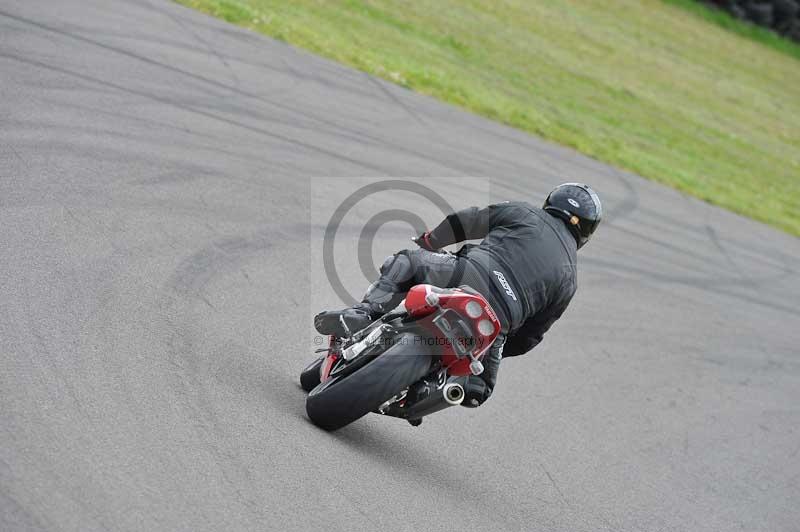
<point x="641" y="84"/>
<point x="746" y="29"/>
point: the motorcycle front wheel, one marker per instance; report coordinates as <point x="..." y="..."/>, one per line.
<point x="309" y="378"/>
<point x="346" y="398"/>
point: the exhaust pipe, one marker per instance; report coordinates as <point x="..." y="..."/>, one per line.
<point x="452" y="394"/>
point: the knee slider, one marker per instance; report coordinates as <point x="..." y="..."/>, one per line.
<point x="398" y="268"/>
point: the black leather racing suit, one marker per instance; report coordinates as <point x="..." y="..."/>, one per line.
<point x="525" y="267"/>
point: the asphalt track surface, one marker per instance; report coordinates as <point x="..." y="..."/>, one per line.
<point x="159" y="188"/>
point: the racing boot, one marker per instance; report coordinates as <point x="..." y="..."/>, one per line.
<point x="343" y="323"/>
<point x="397" y="276"/>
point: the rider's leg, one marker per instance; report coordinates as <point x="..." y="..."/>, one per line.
<point x="398" y="274"/>
<point x="408" y="268"/>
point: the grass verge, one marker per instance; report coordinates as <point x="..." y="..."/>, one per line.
<point x="642" y="84"/>
<point x="741" y="27"/>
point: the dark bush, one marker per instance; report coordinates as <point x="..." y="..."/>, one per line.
<point x="782" y="16"/>
<point x="784" y="12"/>
<point x="759" y="13"/>
<point x="793" y="31"/>
<point x="738" y="12"/>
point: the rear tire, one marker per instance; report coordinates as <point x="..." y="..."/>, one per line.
<point x="342" y="400"/>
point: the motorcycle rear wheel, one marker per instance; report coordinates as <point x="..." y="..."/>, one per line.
<point x="346" y="398"/>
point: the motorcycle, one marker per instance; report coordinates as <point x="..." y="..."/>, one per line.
<point x="409" y="364"/>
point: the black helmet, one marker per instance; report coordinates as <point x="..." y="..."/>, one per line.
<point x="578" y="205"/>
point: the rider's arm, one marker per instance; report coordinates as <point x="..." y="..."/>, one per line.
<point x="530" y="334"/>
<point x="470" y="224"/>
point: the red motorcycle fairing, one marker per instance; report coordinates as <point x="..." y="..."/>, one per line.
<point x="475" y="329"/>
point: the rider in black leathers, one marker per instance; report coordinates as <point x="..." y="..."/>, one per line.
<point x="525" y="267"/>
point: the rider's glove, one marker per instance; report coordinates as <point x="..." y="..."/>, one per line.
<point x="424" y="241"/>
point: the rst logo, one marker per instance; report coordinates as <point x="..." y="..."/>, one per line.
<point x="505" y="285"/>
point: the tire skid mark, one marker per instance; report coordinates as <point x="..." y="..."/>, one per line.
<point x="715" y="285"/>
<point x="186" y="285"/>
<point x="196" y="36"/>
<point x="188" y="108"/>
<point x="714" y="274"/>
<point x="293" y="111"/>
